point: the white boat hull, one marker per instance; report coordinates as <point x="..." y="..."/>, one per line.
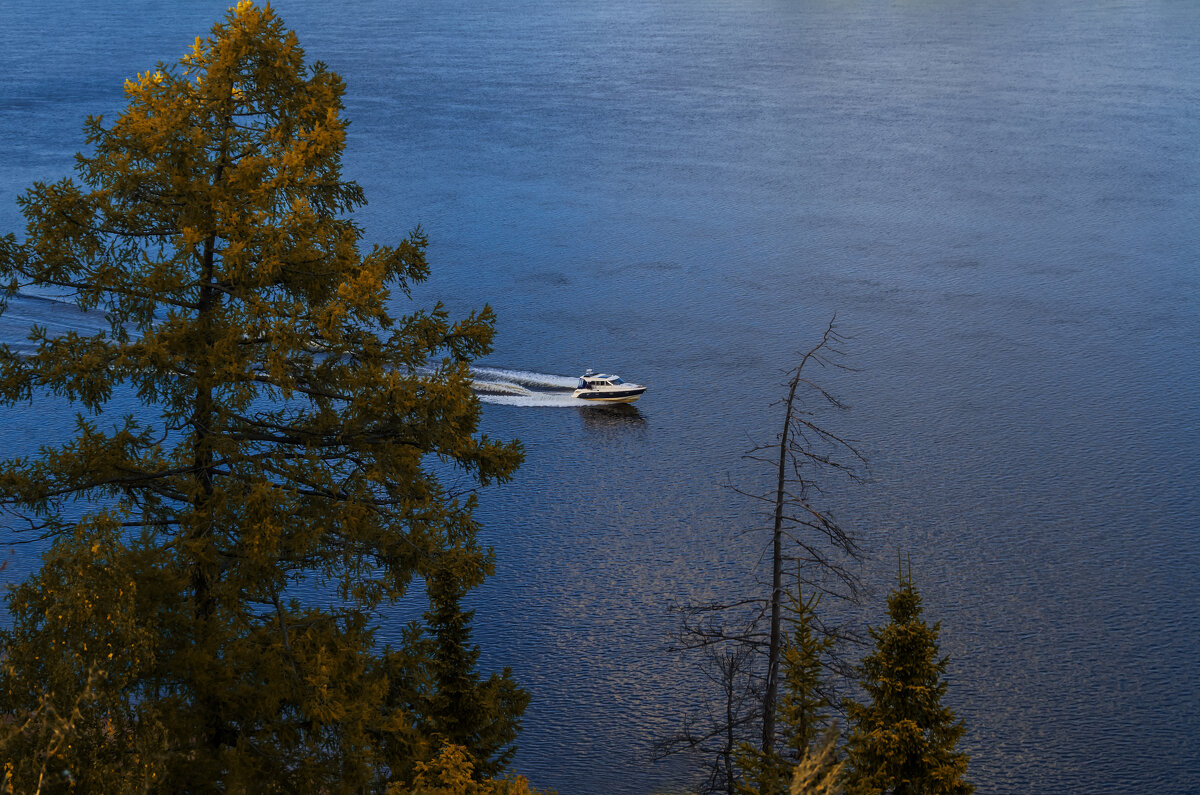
<point x="627" y="395"/>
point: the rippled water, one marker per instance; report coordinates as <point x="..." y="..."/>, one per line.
<point x="998" y="200"/>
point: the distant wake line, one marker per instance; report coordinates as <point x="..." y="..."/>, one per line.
<point x="54" y="315"/>
<point x="494" y="385"/>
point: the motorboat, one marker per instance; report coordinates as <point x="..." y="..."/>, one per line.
<point x="605" y="388"/>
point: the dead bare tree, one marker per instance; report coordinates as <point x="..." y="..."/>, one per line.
<point x="803" y="533"/>
<point x="724" y="722"/>
<point x="804" y="447"/>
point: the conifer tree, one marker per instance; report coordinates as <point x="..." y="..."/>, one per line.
<point x="903" y="741"/>
<point x="289" y="443"/>
<point x="433" y="676"/>
<point x="804" y="707"/>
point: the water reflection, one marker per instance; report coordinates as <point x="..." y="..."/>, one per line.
<point x="611" y="418"/>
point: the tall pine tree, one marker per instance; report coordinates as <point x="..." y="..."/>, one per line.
<point x="903" y="741"/>
<point x="289" y="441"/>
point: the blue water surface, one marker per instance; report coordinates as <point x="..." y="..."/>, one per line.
<point x="999" y="201"/>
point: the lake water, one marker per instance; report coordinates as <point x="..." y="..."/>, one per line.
<point x="1000" y="202"/>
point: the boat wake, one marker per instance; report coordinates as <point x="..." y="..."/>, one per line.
<point x="538" y="400"/>
<point x="503" y="387"/>
<point x="495" y="385"/>
<point x="498" y="387"/>
<point x="526" y="378"/>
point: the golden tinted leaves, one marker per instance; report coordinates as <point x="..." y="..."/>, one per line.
<point x="291" y="429"/>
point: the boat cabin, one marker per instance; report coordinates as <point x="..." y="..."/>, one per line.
<point x="598" y="380"/>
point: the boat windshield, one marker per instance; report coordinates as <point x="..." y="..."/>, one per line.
<point x="616" y="380"/>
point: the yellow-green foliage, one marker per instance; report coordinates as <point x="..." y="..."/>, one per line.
<point x="820" y="772"/>
<point x="452" y="773"/>
<point x="903" y="741"/>
<point x="289" y="440"/>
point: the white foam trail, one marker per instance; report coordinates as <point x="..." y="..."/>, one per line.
<point x="500" y="387"/>
<point x="538" y="400"/>
<point x="526" y="378"/>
